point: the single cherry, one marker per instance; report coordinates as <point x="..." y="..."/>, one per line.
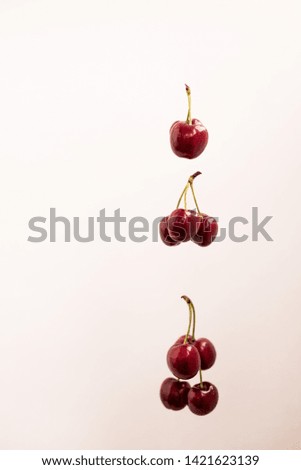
<point x="183" y="360"/>
<point x="206" y="232"/>
<point x="206" y="351"/>
<point x="182" y="225"/>
<point x="173" y="394"/>
<point x="189" y="138"/>
<point x="202" y="398"/>
<point x="165" y="235"/>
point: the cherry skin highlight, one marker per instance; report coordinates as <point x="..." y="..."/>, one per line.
<point x="188" y="140"/>
<point x="183" y="360"/>
<point x="165" y="235"/>
<point x="182" y="225"/>
<point x="206" y="351"/>
<point x="202" y="399"/>
<point x="173" y="394"/>
<point x="206" y="232"/>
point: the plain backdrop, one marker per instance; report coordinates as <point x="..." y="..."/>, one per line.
<point x="88" y="91"/>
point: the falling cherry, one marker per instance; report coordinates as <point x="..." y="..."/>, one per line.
<point x="188" y="139"/>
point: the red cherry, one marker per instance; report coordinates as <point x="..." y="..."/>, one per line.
<point x="181" y="340"/>
<point x="182" y="225"/>
<point x="202" y="399"/>
<point x="207" y="231"/>
<point x="173" y="394"/>
<point x="205" y="348"/>
<point x="183" y="360"/>
<point x="188" y="140"/>
<point x="207" y="352"/>
<point x="165" y="235"/>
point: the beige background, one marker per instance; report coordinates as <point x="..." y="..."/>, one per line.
<point x="88" y="90"/>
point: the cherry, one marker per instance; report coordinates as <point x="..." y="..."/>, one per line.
<point x="173" y="394"/>
<point x="183" y="360"/>
<point x="202" y="398"/>
<point x="181" y="340"/>
<point x="207" y="231"/>
<point x="189" y="138"/>
<point x="182" y="225"/>
<point x="165" y="235"/>
<point x="204" y="346"/>
<point x="206" y="351"/>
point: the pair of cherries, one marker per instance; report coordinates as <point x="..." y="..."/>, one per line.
<point x="183" y="225"/>
<point x="186" y="358"/>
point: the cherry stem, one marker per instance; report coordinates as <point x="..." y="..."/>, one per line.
<point x="194" y="197"/>
<point x="183" y="193"/>
<point x="201" y="379"/>
<point x="192" y="177"/>
<point x="193" y="324"/>
<point x="191" y="317"/>
<point x="188" y="91"/>
<point x="189" y="326"/>
<point x="185" y="199"/>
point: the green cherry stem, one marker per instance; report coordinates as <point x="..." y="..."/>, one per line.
<point x="194" y="196"/>
<point x="191" y="318"/>
<point x="188" y="92"/>
<point x="183" y="194"/>
<point x="201" y="379"/>
<point x="193" y="321"/>
<point x="185" y="199"/>
<point x="187" y="300"/>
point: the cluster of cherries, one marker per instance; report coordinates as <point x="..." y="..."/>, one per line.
<point x="183" y="225"/>
<point x="189" y="356"/>
<point x="186" y="358"/>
